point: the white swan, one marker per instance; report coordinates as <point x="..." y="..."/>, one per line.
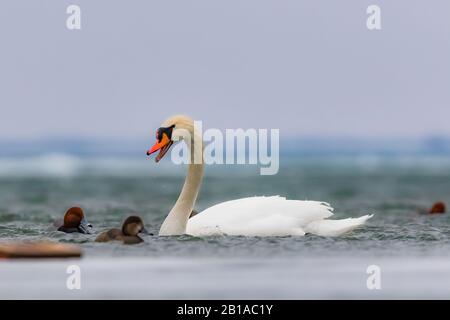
<point x="254" y="216"/>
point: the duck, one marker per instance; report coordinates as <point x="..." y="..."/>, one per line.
<point x="132" y="226"/>
<point x="437" y="208"/>
<point x="250" y="216"/>
<point x="74" y="221"/>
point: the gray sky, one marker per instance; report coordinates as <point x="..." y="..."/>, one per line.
<point x="306" y="67"/>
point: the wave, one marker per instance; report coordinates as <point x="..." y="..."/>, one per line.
<point x="65" y="165"/>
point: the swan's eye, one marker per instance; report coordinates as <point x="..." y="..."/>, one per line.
<point x="166" y="130"/>
<point x="158" y="135"/>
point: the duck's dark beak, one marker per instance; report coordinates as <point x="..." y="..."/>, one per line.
<point x="85" y="227"/>
<point x="145" y="231"/>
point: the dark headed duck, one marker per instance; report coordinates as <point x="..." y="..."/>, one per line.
<point x="74" y="221"/>
<point x="131" y="227"/>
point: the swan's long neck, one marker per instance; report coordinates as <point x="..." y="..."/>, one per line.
<point x="177" y="219"/>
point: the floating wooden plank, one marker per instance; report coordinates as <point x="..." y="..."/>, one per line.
<point x="37" y="250"/>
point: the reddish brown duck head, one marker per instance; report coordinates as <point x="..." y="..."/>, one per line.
<point x="438" y="207"/>
<point x="74" y="221"/>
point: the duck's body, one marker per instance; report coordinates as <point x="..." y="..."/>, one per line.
<point x="255" y="216"/>
<point x="68" y="230"/>
<point x="110" y="235"/>
<point x="117" y="235"/>
<point x="128" y="234"/>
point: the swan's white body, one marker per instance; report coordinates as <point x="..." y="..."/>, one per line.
<point x="255" y="216"/>
<point x="270" y="216"/>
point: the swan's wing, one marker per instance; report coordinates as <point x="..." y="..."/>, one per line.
<point x="258" y="216"/>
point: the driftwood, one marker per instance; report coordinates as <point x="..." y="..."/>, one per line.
<point x="37" y="250"/>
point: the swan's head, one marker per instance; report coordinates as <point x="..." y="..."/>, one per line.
<point x="74" y="218"/>
<point x="175" y="128"/>
<point x="133" y="225"/>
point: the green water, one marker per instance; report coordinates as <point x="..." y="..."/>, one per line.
<point x="395" y="192"/>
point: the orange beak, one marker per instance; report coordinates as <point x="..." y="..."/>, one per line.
<point x="162" y="145"/>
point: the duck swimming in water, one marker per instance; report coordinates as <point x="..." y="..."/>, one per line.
<point x="438" y="207"/>
<point x="74" y="221"/>
<point x="131" y="227"/>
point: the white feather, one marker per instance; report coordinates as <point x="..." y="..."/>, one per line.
<point x="270" y="216"/>
<point x="333" y="228"/>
